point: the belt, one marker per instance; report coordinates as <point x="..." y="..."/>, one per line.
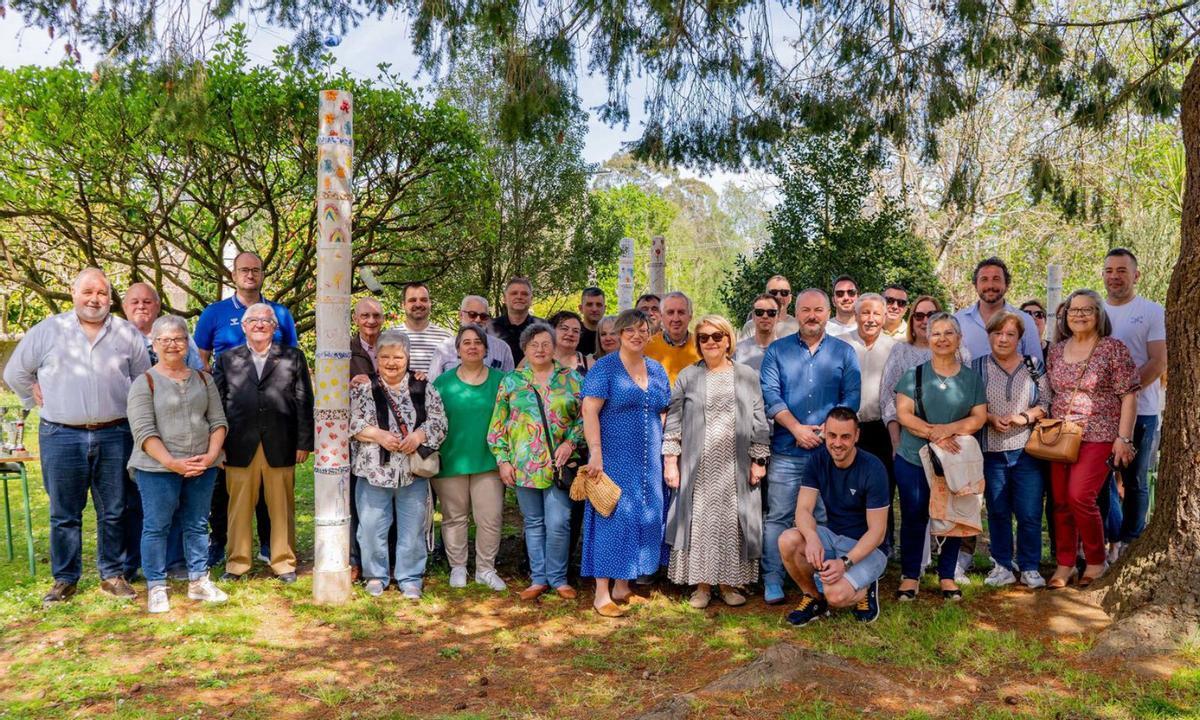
<point x="91" y="426"/>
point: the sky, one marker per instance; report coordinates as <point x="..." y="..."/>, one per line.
<point x="361" y="51"/>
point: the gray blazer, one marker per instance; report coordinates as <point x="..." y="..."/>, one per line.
<point x="685" y="420"/>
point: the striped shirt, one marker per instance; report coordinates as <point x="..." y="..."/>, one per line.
<point x="423" y="344"/>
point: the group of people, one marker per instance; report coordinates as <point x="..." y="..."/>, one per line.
<point x="775" y="449"/>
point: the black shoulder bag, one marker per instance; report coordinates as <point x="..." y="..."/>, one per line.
<point x="919" y="402"/>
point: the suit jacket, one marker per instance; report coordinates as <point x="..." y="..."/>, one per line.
<point x="275" y="411"/>
<point x="360" y="361"/>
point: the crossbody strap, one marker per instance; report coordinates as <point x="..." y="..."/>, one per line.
<point x="918" y="395"/>
<point x="545" y="423"/>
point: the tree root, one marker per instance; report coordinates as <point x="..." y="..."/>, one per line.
<point x="1152" y="630"/>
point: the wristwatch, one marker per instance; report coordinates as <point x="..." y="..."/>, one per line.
<point x="849" y="563"/>
<point x="1127" y="441"/>
<point x="761" y="462"/>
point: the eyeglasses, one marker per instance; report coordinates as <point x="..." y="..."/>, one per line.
<point x="636" y="330"/>
<point x="1082" y="311"/>
<point x="777" y="292"/>
<point x="259" y="321"/>
<point x="1039" y="314"/>
<point x="248" y="271"/>
<point x="901" y="302"/>
<point x="172" y="341"/>
<point x="759" y="312"/>
<point x="921" y="316"/>
<point x="845" y="293"/>
<point x="704" y="338"/>
<point x="476" y="316"/>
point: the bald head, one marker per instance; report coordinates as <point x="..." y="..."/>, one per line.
<point x="142" y="306"/>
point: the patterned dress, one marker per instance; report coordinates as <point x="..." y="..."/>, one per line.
<point x="628" y="543"/>
<point x="716" y="534"/>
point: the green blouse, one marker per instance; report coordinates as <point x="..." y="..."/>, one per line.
<point x="468" y="411"/>
<point x="516" y="435"/>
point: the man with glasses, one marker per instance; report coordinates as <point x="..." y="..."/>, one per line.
<point x="780" y="290"/>
<point x="649" y="303"/>
<point x="473" y="310"/>
<point x="219" y="329"/>
<point x="845" y="294"/>
<point x="895" y="297"/>
<point x="764" y="317"/>
<point x="368" y="318"/>
<point x="991" y="280"/>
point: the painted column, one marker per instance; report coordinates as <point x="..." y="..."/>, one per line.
<point x="331" y="464"/>
<point x="658" y="265"/>
<point x="625" y="275"/>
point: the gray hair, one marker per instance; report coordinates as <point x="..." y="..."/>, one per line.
<point x="867" y="298"/>
<point x="945" y="317"/>
<point x="1103" y="324"/>
<point x="91" y="271"/>
<point x="475" y="298"/>
<point x="257" y="309"/>
<point x="168" y="322"/>
<point x="533" y="330"/>
<point x="391" y="338"/>
<point x="678" y="294"/>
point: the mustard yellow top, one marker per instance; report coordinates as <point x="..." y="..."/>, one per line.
<point x="674" y="359"/>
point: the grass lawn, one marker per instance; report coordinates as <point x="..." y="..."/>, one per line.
<point x="271" y="653"/>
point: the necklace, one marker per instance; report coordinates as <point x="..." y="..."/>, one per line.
<point x="941" y="381"/>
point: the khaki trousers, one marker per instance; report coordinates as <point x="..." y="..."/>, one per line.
<point x="480" y="496"/>
<point x="279" y="485"/>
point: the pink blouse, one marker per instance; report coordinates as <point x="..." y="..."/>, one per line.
<point x="1110" y="374"/>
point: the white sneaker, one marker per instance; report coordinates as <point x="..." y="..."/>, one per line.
<point x="1115" y="551"/>
<point x="492" y="580"/>
<point x="158" y="602"/>
<point x="999" y="577"/>
<point x="411" y="591"/>
<point x="963" y="563"/>
<point x="458" y="577"/>
<point x="204" y="589"/>
<point x="1032" y="579"/>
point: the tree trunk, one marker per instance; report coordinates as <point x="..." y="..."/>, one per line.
<point x="1153" y="594"/>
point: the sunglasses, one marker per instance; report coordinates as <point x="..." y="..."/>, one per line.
<point x="901" y="302"/>
<point x="759" y="312"/>
<point x="1039" y="314"/>
<point x="845" y="293"/>
<point x="710" y="337"/>
<point x="919" y="316"/>
<point x="476" y="316"/>
<point x="779" y="293"/>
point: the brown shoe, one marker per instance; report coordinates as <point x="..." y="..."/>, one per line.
<point x="633" y="599"/>
<point x="118" y="587"/>
<point x="61" y="592"/>
<point x="532" y="592"/>
<point x="609" y="610"/>
<point x="566" y="592"/>
<point x="355" y="573"/>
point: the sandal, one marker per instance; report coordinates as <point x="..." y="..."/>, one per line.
<point x="1058" y="583"/>
<point x="908" y="595"/>
<point x="952" y="595"/>
<point x="1086" y="580"/>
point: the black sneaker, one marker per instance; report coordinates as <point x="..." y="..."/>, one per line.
<point x="286" y="578"/>
<point x="809" y="609"/>
<point x="867" y="609"/>
<point x="230" y="577"/>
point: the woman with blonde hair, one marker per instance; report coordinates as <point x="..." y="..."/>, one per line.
<point x="715" y="446"/>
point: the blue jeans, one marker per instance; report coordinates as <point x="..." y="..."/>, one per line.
<point x="547" y="519"/>
<point x="914" y="524"/>
<point x="783" y="487"/>
<point x="74" y="462"/>
<point x="375" y="508"/>
<point x="1126" y="520"/>
<point x="1015" y="484"/>
<point x="165" y="497"/>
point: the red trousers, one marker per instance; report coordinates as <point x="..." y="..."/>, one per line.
<point x="1076" y="514"/>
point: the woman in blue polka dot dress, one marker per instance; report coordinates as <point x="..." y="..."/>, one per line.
<point x="624" y="396"/>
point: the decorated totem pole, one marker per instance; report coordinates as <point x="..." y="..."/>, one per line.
<point x="331" y="465"/>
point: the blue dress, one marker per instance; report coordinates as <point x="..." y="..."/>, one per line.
<point x="628" y="543"/>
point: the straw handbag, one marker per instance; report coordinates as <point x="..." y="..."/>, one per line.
<point x="597" y="488"/>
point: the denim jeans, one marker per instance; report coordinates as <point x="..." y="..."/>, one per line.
<point x="1015" y="485"/>
<point x="375" y="508"/>
<point x="547" y="519"/>
<point x="1127" y="517"/>
<point x="131" y="522"/>
<point x="74" y="462"/>
<point x="165" y="497"/>
<point x="783" y="475"/>
<point x="914" y="524"/>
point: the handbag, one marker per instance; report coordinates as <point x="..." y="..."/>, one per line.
<point x="563" y="476"/>
<point x="597" y="488"/>
<point x="425" y="461"/>
<point x="1058" y="439"/>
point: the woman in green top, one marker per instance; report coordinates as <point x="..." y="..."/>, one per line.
<point x="528" y="458"/>
<point x="469" y="482"/>
<point x="953" y="403"/>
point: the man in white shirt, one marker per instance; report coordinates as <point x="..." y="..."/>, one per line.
<point x="1140" y="324"/>
<point x="472" y="311"/>
<point x="424" y="337"/>
<point x="845" y="294"/>
<point x="764" y="316"/>
<point x="779" y="288"/>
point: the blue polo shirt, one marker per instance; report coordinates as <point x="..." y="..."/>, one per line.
<point x="809" y="384"/>
<point x="220" y="326"/>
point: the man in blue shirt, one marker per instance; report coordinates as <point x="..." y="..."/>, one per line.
<point x="991" y="284"/>
<point x="846" y="550"/>
<point x="803" y="376"/>
<point x="220" y="325"/>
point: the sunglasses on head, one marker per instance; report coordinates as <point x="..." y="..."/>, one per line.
<point x="845" y="293"/>
<point x="717" y="336"/>
<point x="777" y="292"/>
<point x="759" y="312"/>
<point x="902" y="302"/>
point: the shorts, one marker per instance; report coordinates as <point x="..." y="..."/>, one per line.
<point x="865" y="571"/>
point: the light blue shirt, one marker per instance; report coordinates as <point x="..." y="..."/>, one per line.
<point x="975" y="335"/>
<point x="808" y="384"/>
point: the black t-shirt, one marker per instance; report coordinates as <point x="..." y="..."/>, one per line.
<point x="504" y="329"/>
<point x="848" y="493"/>
<point x="587" y="341"/>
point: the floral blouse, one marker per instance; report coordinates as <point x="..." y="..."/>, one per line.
<point x="1109" y="374"/>
<point x="366" y="455"/>
<point x="516" y="435"/>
